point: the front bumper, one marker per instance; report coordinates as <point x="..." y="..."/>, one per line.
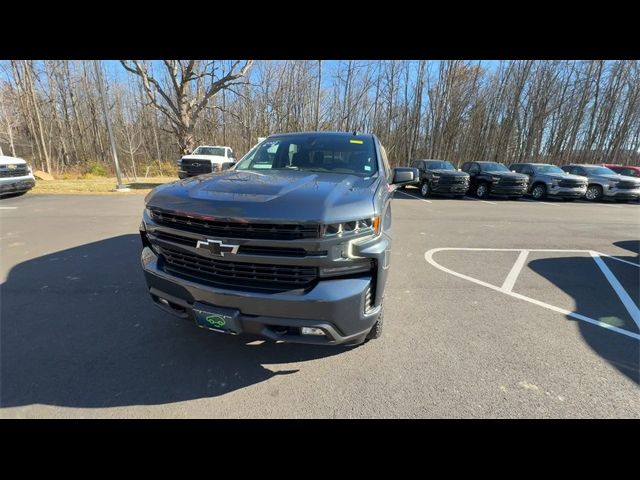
<point x="16" y="184"/>
<point x="566" y="192"/>
<point x="621" y="193"/>
<point x="336" y="306"/>
<point x="508" y="191"/>
<point x="185" y="174"/>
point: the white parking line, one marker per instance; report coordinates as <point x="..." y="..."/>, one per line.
<point x="428" y="256"/>
<point x="8" y="208"/>
<point x="510" y="281"/>
<point x="478" y="200"/>
<point x="540" y="202"/>
<point x="621" y="260"/>
<point x="413" y="196"/>
<point x="629" y="304"/>
<point x="599" y="203"/>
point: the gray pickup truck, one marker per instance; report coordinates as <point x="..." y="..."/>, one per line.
<point x="546" y="180"/>
<point x="293" y="243"/>
<point x="605" y="183"/>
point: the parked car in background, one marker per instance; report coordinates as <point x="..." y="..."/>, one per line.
<point x="627" y="170"/>
<point x="546" y="180"/>
<point x="440" y="177"/>
<point x="16" y="177"/>
<point x="605" y="183"/>
<point x="493" y="178"/>
<point x="206" y="159"/>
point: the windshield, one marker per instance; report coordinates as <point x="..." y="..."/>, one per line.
<point x="209" y="151"/>
<point x="547" y="169"/>
<point x="493" y="167"/>
<point x="335" y="153"/>
<point x="432" y="165"/>
<point x="599" y="170"/>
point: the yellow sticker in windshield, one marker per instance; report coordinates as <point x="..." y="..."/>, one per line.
<point x="360" y="142"/>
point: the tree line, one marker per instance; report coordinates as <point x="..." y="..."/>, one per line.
<point x="549" y="111"/>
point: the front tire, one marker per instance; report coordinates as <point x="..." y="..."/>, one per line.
<point x="13" y="194"/>
<point x="482" y="190"/>
<point x="539" y="192"/>
<point x="425" y="189"/>
<point x="376" y="330"/>
<point x="594" y="193"/>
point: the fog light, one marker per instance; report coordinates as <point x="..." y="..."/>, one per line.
<point x="311" y="331"/>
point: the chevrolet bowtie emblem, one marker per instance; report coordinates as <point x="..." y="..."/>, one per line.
<point x="216" y="247"/>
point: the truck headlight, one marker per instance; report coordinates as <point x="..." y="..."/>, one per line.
<point x="365" y="225"/>
<point x="495" y="179"/>
<point x="555" y="183"/>
<point x="612" y="184"/>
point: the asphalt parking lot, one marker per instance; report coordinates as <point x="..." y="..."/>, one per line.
<point x="494" y="309"/>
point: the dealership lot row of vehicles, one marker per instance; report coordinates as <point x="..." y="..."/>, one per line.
<point x="539" y="180"/>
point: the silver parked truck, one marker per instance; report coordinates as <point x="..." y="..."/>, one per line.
<point x="546" y="180"/>
<point x="605" y="183"/>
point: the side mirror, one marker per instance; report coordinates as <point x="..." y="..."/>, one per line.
<point x="514" y="171"/>
<point x="459" y="169"/>
<point x="404" y="175"/>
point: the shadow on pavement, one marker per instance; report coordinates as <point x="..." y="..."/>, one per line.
<point x="79" y="330"/>
<point x="595" y="298"/>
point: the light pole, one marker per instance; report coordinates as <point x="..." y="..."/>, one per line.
<point x="120" y="187"/>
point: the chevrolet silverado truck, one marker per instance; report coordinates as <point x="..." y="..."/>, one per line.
<point x="206" y="159"/>
<point x="440" y="177"/>
<point x="546" y="180"/>
<point x="493" y="178"/>
<point x="16" y="177"/>
<point x="292" y="244"/>
<point x="605" y="183"/>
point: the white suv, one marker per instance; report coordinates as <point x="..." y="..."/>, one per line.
<point x="206" y="159"/>
<point x="16" y="176"/>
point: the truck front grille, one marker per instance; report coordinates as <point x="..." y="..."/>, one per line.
<point x="569" y="183"/>
<point x="512" y="182"/>
<point x="239" y="274"/>
<point x="196" y="167"/>
<point x="627" y="185"/>
<point x="21" y="171"/>
<point x="452" y="180"/>
<point x="220" y="229"/>
<point x="243" y="249"/>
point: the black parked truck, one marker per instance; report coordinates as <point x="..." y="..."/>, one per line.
<point x="440" y="177"/>
<point x="291" y="244"/>
<point x="493" y="178"/>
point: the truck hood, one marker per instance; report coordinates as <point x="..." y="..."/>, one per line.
<point x="511" y="175"/>
<point x="615" y="177"/>
<point x="271" y="195"/>
<point x="5" y="160"/>
<point x="212" y="158"/>
<point x="563" y="176"/>
<point x="450" y="173"/>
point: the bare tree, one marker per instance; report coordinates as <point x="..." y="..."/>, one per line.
<point x="190" y="87"/>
